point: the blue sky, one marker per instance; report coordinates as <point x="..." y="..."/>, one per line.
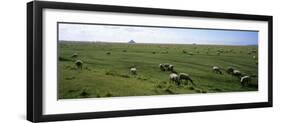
<point x="110" y="33"/>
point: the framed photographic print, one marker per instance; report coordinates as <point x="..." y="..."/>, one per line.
<point x="96" y="61"/>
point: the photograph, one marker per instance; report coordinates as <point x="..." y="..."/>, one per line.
<point x="111" y="60"/>
<point x="90" y="61"/>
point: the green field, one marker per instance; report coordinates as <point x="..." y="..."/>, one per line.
<point x="105" y="71"/>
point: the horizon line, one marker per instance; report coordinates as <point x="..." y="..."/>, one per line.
<point x="157" y="43"/>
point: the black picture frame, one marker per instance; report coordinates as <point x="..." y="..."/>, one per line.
<point x="34" y="60"/>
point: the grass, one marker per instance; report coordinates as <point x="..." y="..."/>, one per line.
<point x="107" y="75"/>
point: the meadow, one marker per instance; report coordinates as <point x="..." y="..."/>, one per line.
<point x="106" y="69"/>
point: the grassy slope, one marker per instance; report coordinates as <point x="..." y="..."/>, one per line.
<point x="108" y="75"/>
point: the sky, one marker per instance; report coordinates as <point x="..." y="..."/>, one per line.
<point x="123" y="34"/>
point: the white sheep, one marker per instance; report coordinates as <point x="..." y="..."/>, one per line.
<point x="166" y="66"/>
<point x="79" y="64"/>
<point x="174" y="78"/>
<point x="245" y="80"/>
<point x="171" y="67"/>
<point x="162" y="68"/>
<point x="185" y="77"/>
<point x="236" y="73"/>
<point x="216" y="69"/>
<point x="133" y="70"/>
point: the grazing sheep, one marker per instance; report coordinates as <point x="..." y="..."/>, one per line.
<point x="185" y="77"/>
<point x="236" y="73"/>
<point x="171" y="67"/>
<point x="79" y="64"/>
<point x="174" y="78"/>
<point x="229" y="70"/>
<point x="166" y="65"/>
<point x="133" y="71"/>
<point x="216" y="69"/>
<point x="245" y="80"/>
<point x="162" y="68"/>
<point x="74" y="55"/>
<point x="254" y="57"/>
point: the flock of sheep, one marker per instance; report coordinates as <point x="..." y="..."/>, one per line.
<point x="183" y="78"/>
<point x="178" y="79"/>
<point x="244" y="79"/>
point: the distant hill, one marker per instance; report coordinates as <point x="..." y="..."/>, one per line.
<point x="132" y="41"/>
